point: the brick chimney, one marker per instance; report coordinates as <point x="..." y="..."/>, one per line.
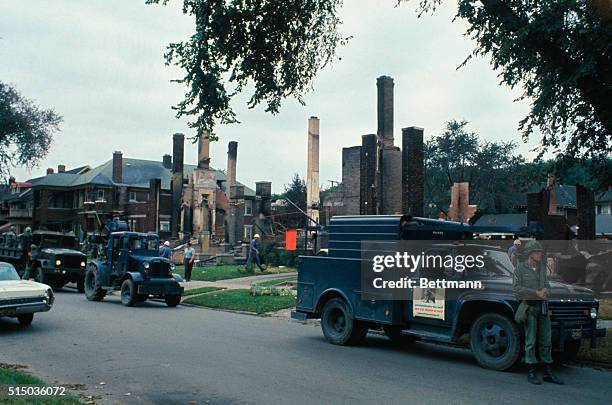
<point x="50" y="171"/>
<point x="412" y="171"/>
<point x="61" y="168"/>
<point x="384" y="85"/>
<point x="203" y="151"/>
<point x="232" y="156"/>
<point x="117" y="167"/>
<point x="178" y="154"/>
<point x="167" y="161"/>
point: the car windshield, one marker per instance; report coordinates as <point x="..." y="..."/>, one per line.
<point x="7" y="272"/>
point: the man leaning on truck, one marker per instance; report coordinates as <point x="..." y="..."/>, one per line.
<point x="532" y="288"/>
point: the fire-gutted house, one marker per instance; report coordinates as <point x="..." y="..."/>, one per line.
<point x="136" y="190"/>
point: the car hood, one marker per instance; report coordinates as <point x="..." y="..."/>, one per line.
<point x="22" y="288"/>
<point x="61" y="251"/>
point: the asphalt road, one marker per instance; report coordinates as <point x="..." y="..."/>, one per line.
<point x="155" y="354"/>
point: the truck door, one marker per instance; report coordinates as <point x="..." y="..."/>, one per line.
<point x="432" y="307"/>
<point x="120" y="255"/>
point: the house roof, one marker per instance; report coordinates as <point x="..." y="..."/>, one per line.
<point x="136" y="173"/>
<point x="502" y="220"/>
<point x="566" y="195"/>
<point x="606" y="196"/>
<point x="603" y="224"/>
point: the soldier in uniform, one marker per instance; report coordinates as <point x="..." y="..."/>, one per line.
<point x="25" y="241"/>
<point x="532" y="287"/>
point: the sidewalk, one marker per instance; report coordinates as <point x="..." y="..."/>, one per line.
<point x="236" y="283"/>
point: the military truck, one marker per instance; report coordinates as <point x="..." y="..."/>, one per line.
<point x="131" y="264"/>
<point x="56" y="259"/>
<point x="330" y="288"/>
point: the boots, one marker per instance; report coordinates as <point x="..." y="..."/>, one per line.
<point x="550" y="377"/>
<point x="533" y="378"/>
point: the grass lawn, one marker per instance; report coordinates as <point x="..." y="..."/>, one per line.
<point x="201" y="290"/>
<point x="270" y="283"/>
<point x="603" y="352"/>
<point x="240" y="300"/>
<point x="14" y="377"/>
<point x="605" y="308"/>
<point x="224" y="272"/>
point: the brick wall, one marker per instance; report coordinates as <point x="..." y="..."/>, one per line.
<point x="351" y="174"/>
<point x="368" y="187"/>
<point x="412" y="171"/>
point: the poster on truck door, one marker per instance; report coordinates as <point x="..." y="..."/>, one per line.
<point x="428" y="303"/>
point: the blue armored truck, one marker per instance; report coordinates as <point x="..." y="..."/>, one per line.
<point x="330" y="287"/>
<point x="130" y="263"/>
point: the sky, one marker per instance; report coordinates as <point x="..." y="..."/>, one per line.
<point x="100" y="65"/>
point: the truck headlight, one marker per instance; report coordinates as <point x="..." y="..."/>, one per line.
<point x="83" y="264"/>
<point x="146" y="265"/>
<point x="593" y="313"/>
<point x="58" y="262"/>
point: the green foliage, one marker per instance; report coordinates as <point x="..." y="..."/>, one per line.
<point x="13" y="377"/>
<point x="273" y="255"/>
<point x="201" y="290"/>
<point x="241" y="300"/>
<point x="458" y="155"/>
<point x="559" y="52"/>
<point x="25" y="130"/>
<point x="274" y="47"/>
<point x="289" y="216"/>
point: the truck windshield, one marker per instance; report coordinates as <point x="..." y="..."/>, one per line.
<point x="59" y="241"/>
<point x="148" y="243"/>
<point x="497" y="263"/>
<point x="8" y="273"/>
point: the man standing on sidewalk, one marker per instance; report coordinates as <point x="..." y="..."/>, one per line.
<point x="532" y="288"/>
<point x="189" y="259"/>
<point x="253" y="254"/>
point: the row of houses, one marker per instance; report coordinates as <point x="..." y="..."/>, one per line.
<point x="80" y="199"/>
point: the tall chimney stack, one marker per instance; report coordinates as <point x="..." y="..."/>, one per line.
<point x="232" y="155"/>
<point x="117" y="167"/>
<point x="203" y="151"/>
<point x="178" y="152"/>
<point x="61" y="168"/>
<point x="369" y="182"/>
<point x="384" y="86"/>
<point x="50" y="171"/>
<point x="312" y="172"/>
<point x="412" y="171"/>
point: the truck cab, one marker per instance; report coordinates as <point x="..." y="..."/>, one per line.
<point x="131" y="264"/>
<point x="331" y="288"/>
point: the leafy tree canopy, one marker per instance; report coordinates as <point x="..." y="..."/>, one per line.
<point x="25" y="130"/>
<point x="558" y="51"/>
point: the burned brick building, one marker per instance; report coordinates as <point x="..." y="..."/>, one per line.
<point x="166" y="196"/>
<point x="379" y="177"/>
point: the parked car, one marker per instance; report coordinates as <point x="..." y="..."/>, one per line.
<point x="21" y="299"/>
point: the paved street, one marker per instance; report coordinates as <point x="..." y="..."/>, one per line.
<point x="155" y="354"/>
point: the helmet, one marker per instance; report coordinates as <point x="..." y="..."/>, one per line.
<point x="257" y="236"/>
<point x="533" y="246"/>
<point x="166" y="243"/>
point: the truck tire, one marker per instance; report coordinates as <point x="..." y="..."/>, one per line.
<point x="172" y="300"/>
<point x="81" y="284"/>
<point x="56" y="283"/>
<point x="129" y="297"/>
<point x="397" y="337"/>
<point x="25" y="319"/>
<point x="495" y="341"/>
<point x="338" y="325"/>
<point x="93" y="291"/>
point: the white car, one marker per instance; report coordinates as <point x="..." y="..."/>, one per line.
<point x="22" y="298"/>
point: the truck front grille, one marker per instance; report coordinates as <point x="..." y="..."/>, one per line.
<point x="159" y="270"/>
<point x="570" y="311"/>
<point x="72" y="262"/>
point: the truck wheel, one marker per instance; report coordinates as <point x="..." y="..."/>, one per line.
<point x="93" y="291"/>
<point x="569" y="353"/>
<point x="495" y="341"/>
<point x="26" y="319"/>
<point x="338" y="325"/>
<point x="128" y="293"/>
<point x="81" y="284"/>
<point x="56" y="283"/>
<point x="39" y="275"/>
<point x="397" y="337"/>
<point x="172" y="300"/>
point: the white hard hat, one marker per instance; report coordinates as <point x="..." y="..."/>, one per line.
<point x="256" y="235"/>
<point x="517" y="242"/>
<point x="166" y="243"/>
